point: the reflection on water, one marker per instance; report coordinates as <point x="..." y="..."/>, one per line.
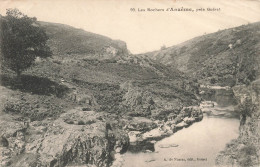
<point x="198" y="145"/>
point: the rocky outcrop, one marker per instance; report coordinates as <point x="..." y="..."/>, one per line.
<point x="138" y="101"/>
<point x="245" y="151"/>
<point x="75" y="138"/>
<point x="144" y="140"/>
<point x="82" y="98"/>
<point x="140" y="124"/>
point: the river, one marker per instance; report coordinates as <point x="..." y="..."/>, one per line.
<point x="198" y="145"/>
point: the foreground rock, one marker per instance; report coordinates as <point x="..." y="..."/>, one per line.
<point x="76" y="138"/>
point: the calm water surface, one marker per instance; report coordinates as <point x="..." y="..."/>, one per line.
<point x="203" y="140"/>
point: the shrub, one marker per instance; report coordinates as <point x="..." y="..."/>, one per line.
<point x="163" y="47"/>
<point x="81" y="122"/>
<point x="90" y="122"/>
<point x="213" y="80"/>
<point x="17" y="107"/>
<point x="57" y="61"/>
<point x="247" y="107"/>
<point x="35" y="110"/>
<point x="246" y="156"/>
<point x="86" y="109"/>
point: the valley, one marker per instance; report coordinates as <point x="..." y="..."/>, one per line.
<point x="93" y="103"/>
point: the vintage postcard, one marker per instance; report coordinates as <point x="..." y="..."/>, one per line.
<point x="129" y="83"/>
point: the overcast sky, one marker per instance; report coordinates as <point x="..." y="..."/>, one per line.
<point x="142" y="31"/>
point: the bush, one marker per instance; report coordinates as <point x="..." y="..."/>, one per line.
<point x="86" y="109"/>
<point x="163" y="47"/>
<point x="11" y="107"/>
<point x="34" y="110"/>
<point x="69" y="121"/>
<point x="246" y="156"/>
<point x="57" y="61"/>
<point x="90" y="122"/>
<point x="247" y="107"/>
<point x="81" y="122"/>
<point x="213" y="80"/>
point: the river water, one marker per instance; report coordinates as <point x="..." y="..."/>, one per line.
<point x="198" y="145"/>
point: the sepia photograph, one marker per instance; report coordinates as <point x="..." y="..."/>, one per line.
<point x="129" y="83"/>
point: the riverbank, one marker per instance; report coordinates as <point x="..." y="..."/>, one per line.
<point x="245" y="150"/>
<point x="196" y="145"/>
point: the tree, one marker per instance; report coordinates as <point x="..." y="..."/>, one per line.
<point x="22" y="41"/>
<point x="163" y="47"/>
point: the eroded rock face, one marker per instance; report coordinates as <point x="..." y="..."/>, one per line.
<point x="76" y="137"/>
<point x="245" y="151"/>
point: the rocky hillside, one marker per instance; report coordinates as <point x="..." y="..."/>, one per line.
<point x="76" y="107"/>
<point x="216" y="58"/>
<point x="109" y="66"/>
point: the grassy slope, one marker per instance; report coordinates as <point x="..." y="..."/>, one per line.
<point x="103" y="78"/>
<point x="209" y="57"/>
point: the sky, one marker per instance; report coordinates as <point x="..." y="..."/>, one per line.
<point x="142" y="31"/>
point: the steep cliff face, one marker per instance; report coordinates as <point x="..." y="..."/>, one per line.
<point x="245" y="151"/>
